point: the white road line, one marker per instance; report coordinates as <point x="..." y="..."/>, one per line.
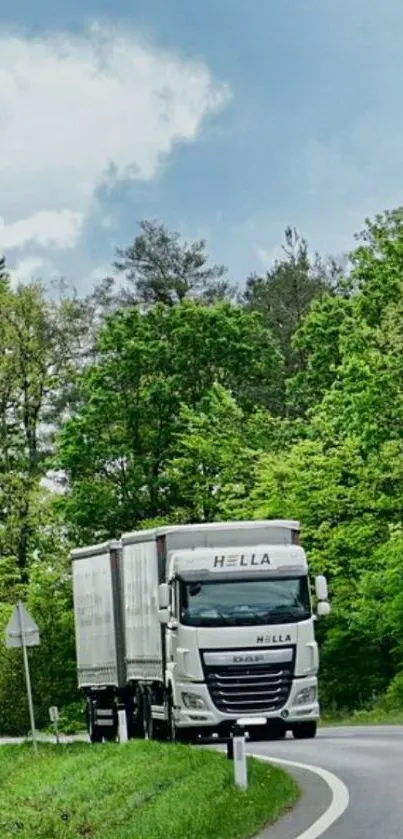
<point x="340" y="796"/>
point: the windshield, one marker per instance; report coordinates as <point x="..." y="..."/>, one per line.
<point x="245" y="602"/>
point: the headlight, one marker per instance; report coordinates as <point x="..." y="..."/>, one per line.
<point x="305" y="696"/>
<point x="192" y="700"/>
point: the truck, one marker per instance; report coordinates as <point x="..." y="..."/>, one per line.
<point x="188" y="629"/>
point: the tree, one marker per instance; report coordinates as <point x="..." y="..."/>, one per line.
<point x="39" y="350"/>
<point x="4" y="276"/>
<point x="48" y="595"/>
<point x="339" y="497"/>
<point x="214" y="455"/>
<point x="377" y="262"/>
<point x="159" y="268"/>
<point x="115" y="449"/>
<point x="344" y="480"/>
<point x="317" y="343"/>
<point x="285" y="294"/>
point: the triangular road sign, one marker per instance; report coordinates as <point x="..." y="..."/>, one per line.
<point x="19" y="622"/>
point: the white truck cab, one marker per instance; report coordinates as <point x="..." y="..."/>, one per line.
<point x="240" y="637"/>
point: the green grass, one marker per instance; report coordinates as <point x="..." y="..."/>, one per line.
<point x="138" y="790"/>
<point x="376" y="716"/>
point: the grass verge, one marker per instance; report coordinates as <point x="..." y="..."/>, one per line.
<point x="139" y="790"/>
<point x="372" y="717"/>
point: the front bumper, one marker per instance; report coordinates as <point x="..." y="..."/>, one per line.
<point x="210" y="717"/>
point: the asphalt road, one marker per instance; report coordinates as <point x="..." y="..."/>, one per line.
<point x="369" y="763"/>
<point x="368" y="760"/>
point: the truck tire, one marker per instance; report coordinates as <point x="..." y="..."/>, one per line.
<point x="174" y="734"/>
<point x="267" y="732"/>
<point x="305" y="730"/>
<point x="275" y="733"/>
<point x="280" y="733"/>
<point x="172" y="729"/>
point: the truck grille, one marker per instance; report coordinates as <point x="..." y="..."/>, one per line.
<point x="249" y="690"/>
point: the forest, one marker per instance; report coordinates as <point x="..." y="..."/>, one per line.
<point x="170" y="395"/>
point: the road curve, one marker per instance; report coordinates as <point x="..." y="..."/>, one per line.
<point x="368" y="761"/>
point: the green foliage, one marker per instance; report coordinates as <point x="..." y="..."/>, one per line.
<point x="151" y="367"/>
<point x="316" y="341"/>
<point x="285" y="294"/>
<point x="394" y="695"/>
<point x="214" y="455"/>
<point x="49" y="599"/>
<point x="39" y="343"/>
<point x="377" y="265"/>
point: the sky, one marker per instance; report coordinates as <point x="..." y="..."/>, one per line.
<point x="226" y="120"/>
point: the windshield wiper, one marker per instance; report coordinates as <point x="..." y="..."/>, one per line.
<point x="219" y="619"/>
<point x="288" y="612"/>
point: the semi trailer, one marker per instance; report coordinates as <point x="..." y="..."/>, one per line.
<point x="190" y="628"/>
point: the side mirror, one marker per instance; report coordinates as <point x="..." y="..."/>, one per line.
<point x="321" y="590"/>
<point x="164" y="616"/>
<point x="323" y="609"/>
<point x="163" y="596"/>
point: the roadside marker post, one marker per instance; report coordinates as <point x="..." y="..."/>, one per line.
<point x="22" y="631"/>
<point x="54" y="718"/>
<point x="122" y="725"/>
<point x="236" y="750"/>
<point x="240" y="767"/>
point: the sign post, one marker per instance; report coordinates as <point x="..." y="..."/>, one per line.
<point x="22" y="631"/>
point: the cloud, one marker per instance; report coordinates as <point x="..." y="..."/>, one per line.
<point x="46" y="228"/>
<point x="73" y="109"/>
<point x="33" y="268"/>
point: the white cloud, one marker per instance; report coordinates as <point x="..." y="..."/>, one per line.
<point x="34" y="267"/>
<point x="46" y="227"/>
<point x="28" y="269"/>
<point x="73" y="109"/>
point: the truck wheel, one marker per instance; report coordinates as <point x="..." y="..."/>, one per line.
<point x="305" y="730"/>
<point x="174" y="735"/>
<point x="267" y="732"/>
<point x="277" y="733"/>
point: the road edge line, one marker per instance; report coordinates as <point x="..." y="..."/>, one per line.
<point x="340" y="795"/>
